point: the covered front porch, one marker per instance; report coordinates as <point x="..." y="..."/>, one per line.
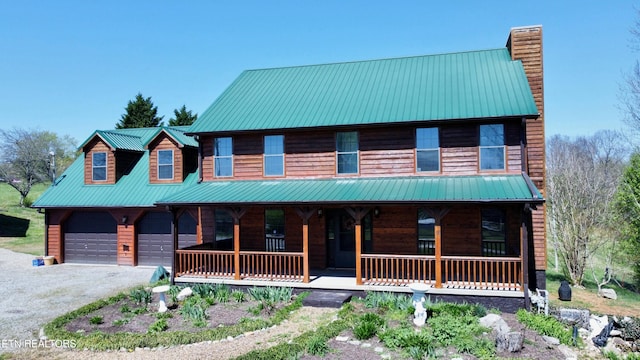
<point x="457" y="234"/>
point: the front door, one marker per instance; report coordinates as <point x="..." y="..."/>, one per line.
<point x="341" y="239"/>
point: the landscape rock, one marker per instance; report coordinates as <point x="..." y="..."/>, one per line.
<point x="495" y="322"/>
<point x="184" y="293"/>
<point x="609" y="294"/>
<point x="567" y="352"/>
<point x="511" y="341"/>
<point x="596" y="324"/>
<point x="550" y="340"/>
<point x="578" y="317"/>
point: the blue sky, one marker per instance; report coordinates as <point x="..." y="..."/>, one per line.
<point x="71" y="66"/>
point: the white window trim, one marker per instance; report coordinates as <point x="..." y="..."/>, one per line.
<point x="265" y="156"/>
<point x="357" y="153"/>
<point x="504" y="157"/>
<point x="172" y="165"/>
<point x="93" y="165"/>
<point x="222" y="157"/>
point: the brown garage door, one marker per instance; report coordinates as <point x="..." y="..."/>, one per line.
<point x="90" y="238"/>
<point x="155" y="242"/>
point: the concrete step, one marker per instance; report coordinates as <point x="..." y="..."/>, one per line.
<point x="333" y="299"/>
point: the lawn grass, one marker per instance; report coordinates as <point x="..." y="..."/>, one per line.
<point x="627" y="303"/>
<point x="21" y="228"/>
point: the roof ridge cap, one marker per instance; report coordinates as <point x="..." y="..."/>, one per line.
<point x="377" y="59"/>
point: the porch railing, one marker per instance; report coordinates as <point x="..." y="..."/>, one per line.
<point x="457" y="272"/>
<point x="254" y="265"/>
<point x="485" y="273"/>
<point x="466" y="272"/>
<point x="271" y="265"/>
<point x="380" y="269"/>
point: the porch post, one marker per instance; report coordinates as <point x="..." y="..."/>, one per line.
<point x="524" y="252"/>
<point x="305" y="214"/>
<point x="437" y="214"/>
<point x="175" y="233"/>
<point x="358" y="214"/>
<point x="236" y="248"/>
<point x="438" y="253"/>
<point x="236" y="213"/>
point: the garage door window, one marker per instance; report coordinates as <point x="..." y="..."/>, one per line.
<point x="165" y="164"/>
<point x="99" y="166"/>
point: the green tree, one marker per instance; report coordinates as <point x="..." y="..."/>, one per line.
<point x="627" y="204"/>
<point x="29" y="157"/>
<point x="140" y="113"/>
<point x="182" y="117"/>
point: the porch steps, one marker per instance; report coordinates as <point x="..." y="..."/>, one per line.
<point x="333" y="299"/>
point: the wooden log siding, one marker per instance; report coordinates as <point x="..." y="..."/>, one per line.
<point x="165" y="143"/>
<point x="388" y="151"/>
<point x="94" y="146"/>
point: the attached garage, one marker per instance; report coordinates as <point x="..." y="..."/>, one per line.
<point x="155" y="239"/>
<point x="90" y="238"/>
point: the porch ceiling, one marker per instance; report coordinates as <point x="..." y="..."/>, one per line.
<point x="440" y="189"/>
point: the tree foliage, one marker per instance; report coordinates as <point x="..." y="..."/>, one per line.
<point x="182" y="117"/>
<point x="31" y="156"/>
<point x="140" y="113"/>
<point x="582" y="177"/>
<point x="627" y="204"/>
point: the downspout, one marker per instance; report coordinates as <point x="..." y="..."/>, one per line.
<point x="46" y="232"/>
<point x="524" y="159"/>
<point x="199" y="158"/>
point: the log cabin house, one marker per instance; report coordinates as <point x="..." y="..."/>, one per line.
<point x="416" y="169"/>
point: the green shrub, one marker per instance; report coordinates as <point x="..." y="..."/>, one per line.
<point x="545" y="325"/>
<point x="222" y="295"/>
<point x="121" y="322"/>
<point x="194" y="309"/>
<point x="140" y="296"/>
<point x="367" y="326"/>
<point x="317" y="345"/>
<point x="125" y="309"/>
<point x="238" y="296"/>
<point x="387" y="301"/>
<point x="164" y="315"/>
<point x="96" y="320"/>
<point x="159" y="326"/>
<point x="203" y="290"/>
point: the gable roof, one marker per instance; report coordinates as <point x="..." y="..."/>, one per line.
<point x="137" y="139"/>
<point x="466" y="85"/>
<point x="131" y="190"/>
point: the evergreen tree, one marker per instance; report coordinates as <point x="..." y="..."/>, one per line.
<point x="140" y="113"/>
<point x="182" y="117"/>
<point x="628" y="205"/>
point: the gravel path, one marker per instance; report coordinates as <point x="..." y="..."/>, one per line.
<point x="32" y="296"/>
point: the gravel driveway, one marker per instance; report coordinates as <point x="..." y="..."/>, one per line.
<point x="32" y="296"/>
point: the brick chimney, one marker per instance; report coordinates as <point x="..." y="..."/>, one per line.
<point x="525" y="44"/>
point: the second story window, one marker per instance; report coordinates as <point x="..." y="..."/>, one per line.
<point x="165" y="164"/>
<point x="347" y="151"/>
<point x="223" y="157"/>
<point x="99" y="166"/>
<point x="427" y="149"/>
<point x="274" y="155"/>
<point x="492" y="147"/>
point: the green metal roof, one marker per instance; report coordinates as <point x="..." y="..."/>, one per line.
<point x="131" y="190"/>
<point x="135" y="139"/>
<point x="467" y="85"/>
<point x="415" y="189"/>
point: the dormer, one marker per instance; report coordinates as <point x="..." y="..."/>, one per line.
<point x="172" y="156"/>
<point x="108" y="155"/>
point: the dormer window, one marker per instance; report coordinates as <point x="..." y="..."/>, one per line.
<point x="99" y="166"/>
<point x="165" y="164"/>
